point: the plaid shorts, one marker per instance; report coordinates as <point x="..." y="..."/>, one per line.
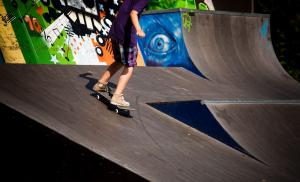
<point x="125" y="55"/>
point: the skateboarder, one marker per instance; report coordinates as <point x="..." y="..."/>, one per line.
<point x="123" y="34"/>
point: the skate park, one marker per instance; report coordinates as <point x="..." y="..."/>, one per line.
<point x="212" y="101"/>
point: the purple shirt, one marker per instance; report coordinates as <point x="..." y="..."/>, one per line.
<point x="122" y="29"/>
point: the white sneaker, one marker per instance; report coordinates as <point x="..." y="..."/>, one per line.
<point x="118" y="100"/>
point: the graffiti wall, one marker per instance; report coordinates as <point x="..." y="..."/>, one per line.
<point x="76" y="32"/>
<point x="64" y="32"/>
<point x="164" y="45"/>
<point x="61" y="31"/>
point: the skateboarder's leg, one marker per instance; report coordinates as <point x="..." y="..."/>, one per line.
<point x="127" y="56"/>
<point x="101" y="85"/>
<point x="118" y="98"/>
<point x="123" y="79"/>
<point x="110" y="71"/>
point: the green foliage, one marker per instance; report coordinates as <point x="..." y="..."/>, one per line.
<point x="187" y="21"/>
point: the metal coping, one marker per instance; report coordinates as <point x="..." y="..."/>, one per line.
<point x="206" y="12"/>
<point x="288" y="102"/>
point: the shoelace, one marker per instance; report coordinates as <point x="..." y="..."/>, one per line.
<point x="122" y="97"/>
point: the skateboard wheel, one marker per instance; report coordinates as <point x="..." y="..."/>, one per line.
<point x="98" y="97"/>
<point x="117" y="111"/>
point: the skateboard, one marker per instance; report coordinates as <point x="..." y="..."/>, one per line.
<point x="105" y="98"/>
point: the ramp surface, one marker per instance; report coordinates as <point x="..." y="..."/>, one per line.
<point x="150" y="144"/>
<point x="236" y="50"/>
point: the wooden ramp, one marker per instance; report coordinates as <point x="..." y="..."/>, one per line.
<point x="151" y="144"/>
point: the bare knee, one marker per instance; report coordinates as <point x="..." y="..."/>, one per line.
<point x="128" y="70"/>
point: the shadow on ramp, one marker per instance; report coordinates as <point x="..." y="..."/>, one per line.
<point x="198" y="116"/>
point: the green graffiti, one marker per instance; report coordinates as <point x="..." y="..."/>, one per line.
<point x="187" y="21"/>
<point x="61" y="52"/>
<point x="203" y="6"/>
<point x="171" y="4"/>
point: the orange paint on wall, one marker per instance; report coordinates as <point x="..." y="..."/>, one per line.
<point x="139" y="59"/>
<point x="107" y="57"/>
<point x="39" y="10"/>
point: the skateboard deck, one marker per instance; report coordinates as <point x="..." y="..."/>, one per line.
<point x="105" y="98"/>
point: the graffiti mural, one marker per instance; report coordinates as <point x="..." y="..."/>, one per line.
<point x="63" y="31"/>
<point x="171" y="4"/>
<point x="7" y="18"/>
<point x="205" y="5"/>
<point x="76" y="32"/>
<point x="164" y="45"/>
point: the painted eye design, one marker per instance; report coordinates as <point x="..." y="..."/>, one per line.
<point x="161" y="43"/>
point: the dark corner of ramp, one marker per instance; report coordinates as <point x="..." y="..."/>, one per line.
<point x="36" y="153"/>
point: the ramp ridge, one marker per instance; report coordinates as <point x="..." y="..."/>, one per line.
<point x="199" y="117"/>
<point x="205" y="102"/>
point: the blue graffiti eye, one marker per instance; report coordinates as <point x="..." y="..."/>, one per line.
<point x="161" y="43"/>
